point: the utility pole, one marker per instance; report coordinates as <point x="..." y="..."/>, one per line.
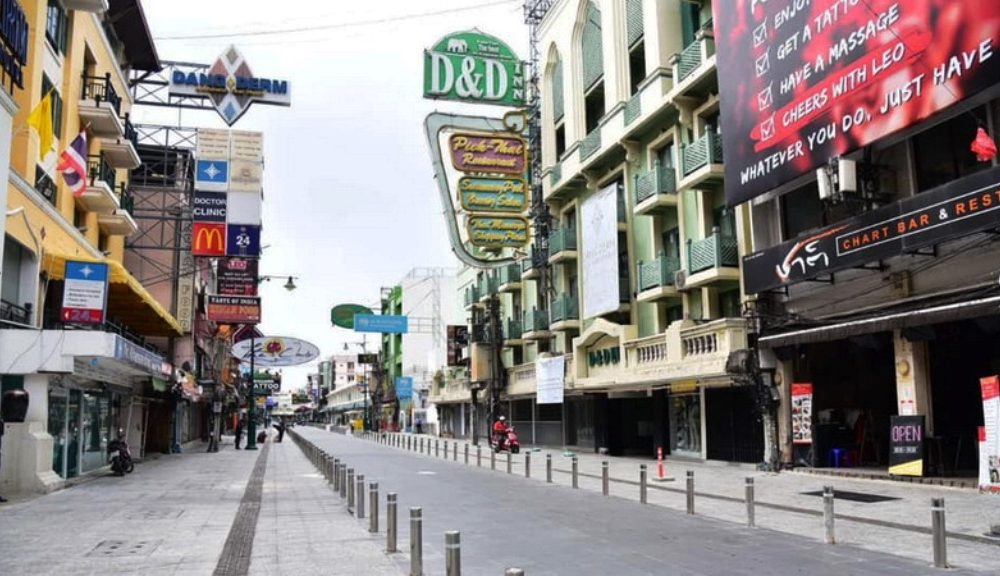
<point x="252" y="403"/>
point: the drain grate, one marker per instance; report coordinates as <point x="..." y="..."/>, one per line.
<point x="155" y="514"/>
<point x="120" y="548"/>
<point x="854" y="496"/>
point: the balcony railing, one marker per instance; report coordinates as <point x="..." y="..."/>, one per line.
<point x="555" y="174"/>
<point x="591" y="143"/>
<point x="561" y="240"/>
<point x="535" y="320"/>
<point x="99" y="169"/>
<point x="100" y="89"/>
<point x="703" y="151"/>
<point x="10" y="312"/>
<point x="509" y="274"/>
<point x="716" y="251"/>
<point x="714" y="337"/>
<point x="130" y="132"/>
<point x="659" y="180"/>
<point x="633" y="108"/>
<point x="658" y="272"/>
<point x="690" y="59"/>
<point x="512" y="329"/>
<point x="646" y="352"/>
<point x="486" y="286"/>
<point x="531" y="261"/>
<point x="471" y="295"/>
<point x="564" y="307"/>
<point x="126" y="200"/>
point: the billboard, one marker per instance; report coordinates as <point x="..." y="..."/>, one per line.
<point x="474" y="67"/>
<point x="208" y="238"/>
<point x="237" y="277"/>
<point x="801" y="82"/>
<point x="599" y="244"/>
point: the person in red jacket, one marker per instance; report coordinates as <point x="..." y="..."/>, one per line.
<point x="500" y="431"/>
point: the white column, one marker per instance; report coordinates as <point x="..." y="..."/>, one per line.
<point x="37" y="387"/>
<point x="913" y="383"/>
<point x="7" y="110"/>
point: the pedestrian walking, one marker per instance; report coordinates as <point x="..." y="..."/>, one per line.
<point x="240" y="426"/>
<point x="280" y="427"/>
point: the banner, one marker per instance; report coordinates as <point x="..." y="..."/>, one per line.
<point x="550" y="374"/>
<point x="956" y="209"/>
<point x="802" y="402"/>
<point x="906" y="445"/>
<point x="989" y="444"/>
<point x="599" y="244"/>
<point x="801" y="82"/>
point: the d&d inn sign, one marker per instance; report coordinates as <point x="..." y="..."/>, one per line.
<point x="474" y="67"/>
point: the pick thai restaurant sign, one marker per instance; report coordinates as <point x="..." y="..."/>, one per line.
<point x="474" y="67"/>
<point x="802" y="81"/>
<point x="958" y="208"/>
<point x="495" y="153"/>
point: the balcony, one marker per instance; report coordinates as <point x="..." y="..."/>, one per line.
<point x="535" y="325"/>
<point x="633" y="108"/>
<point x="530" y="265"/>
<point x="713" y="259"/>
<point x="486" y="286"/>
<point x="555" y="174"/>
<point x="565" y="313"/>
<point x="512" y="332"/>
<point x="99" y="194"/>
<point x="521" y="378"/>
<point x="656" y="278"/>
<point x="471" y="299"/>
<point x="121" y="152"/>
<point x="701" y="160"/>
<point x="656" y="190"/>
<point x="590" y="144"/>
<point x="95" y="6"/>
<point x="100" y="107"/>
<point x="120" y="221"/>
<point x="694" y="68"/>
<point x="509" y="278"/>
<point x="562" y="245"/>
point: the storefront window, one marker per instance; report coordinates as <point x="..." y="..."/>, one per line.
<point x="685" y="425"/>
<point x="96" y="429"/>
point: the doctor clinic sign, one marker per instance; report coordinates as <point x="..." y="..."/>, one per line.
<point x="474" y="67"/>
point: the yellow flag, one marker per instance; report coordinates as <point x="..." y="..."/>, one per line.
<point x="41" y="120"/>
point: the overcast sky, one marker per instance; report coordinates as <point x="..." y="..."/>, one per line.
<point x="350" y="203"/>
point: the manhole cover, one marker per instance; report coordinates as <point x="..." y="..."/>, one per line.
<point x="118" y="548"/>
<point x="854" y="496"/>
<point x="155" y="514"/>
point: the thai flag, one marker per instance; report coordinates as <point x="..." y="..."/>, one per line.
<point x="73" y="164"/>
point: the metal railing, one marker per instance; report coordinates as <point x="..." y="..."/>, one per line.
<point x="718" y="250"/>
<point x="100" y="89"/>
<point x="703" y="151"/>
<point x="659" y="180"/>
<point x="591" y="143"/>
<point x="130" y="132"/>
<point x="658" y="272"/>
<point x="555" y="173"/>
<point x="486" y="286"/>
<point x="99" y="169"/>
<point x="512" y="329"/>
<point x="471" y="295"/>
<point x="126" y="201"/>
<point x="531" y="261"/>
<point x="633" y="108"/>
<point x="535" y="320"/>
<point x="564" y="307"/>
<point x="10" y="312"/>
<point x="509" y="274"/>
<point x="562" y="239"/>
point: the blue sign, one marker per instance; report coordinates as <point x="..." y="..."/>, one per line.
<point x="404" y="387"/>
<point x="379" y="323"/>
<point x="85" y="293"/>
<point x="243" y="240"/>
<point x="137" y="356"/>
<point x="212" y="175"/>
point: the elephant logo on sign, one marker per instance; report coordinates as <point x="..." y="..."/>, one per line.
<point x="458" y="45"/>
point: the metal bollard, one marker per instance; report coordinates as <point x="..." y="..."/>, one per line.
<point x="336" y="474"/>
<point x="373" y="504"/>
<point x="328" y="469"/>
<point x="642" y="483"/>
<point x="416" y="542"/>
<point x="938" y="528"/>
<point x="343" y="480"/>
<point x="751" y="521"/>
<point x="828" y="514"/>
<point x="360" y="497"/>
<point x="466" y="454"/>
<point x="452" y="553"/>
<point x="548" y="468"/>
<point x="493" y="460"/>
<point x="605" y="485"/>
<point x="479" y="456"/>
<point x="513" y="572"/>
<point x="445" y="449"/>
<point x="576" y="470"/>
<point x="690" y="491"/>
<point x="527" y="464"/>
<point x="508" y="462"/>
<point x="436" y="451"/>
<point x="350" y="490"/>
<point x="390" y="522"/>
<point x="454" y="452"/>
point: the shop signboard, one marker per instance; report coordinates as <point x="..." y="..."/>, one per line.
<point x="276" y="351"/>
<point x="474" y="67"/>
<point x="212" y="143"/>
<point x="247" y="146"/>
<point x="230" y="85"/>
<point x="383" y="323"/>
<point x="185" y="280"/>
<point x="495" y="153"/>
<point x="85" y="293"/>
<point x="958" y="208"/>
<point x="247" y="332"/>
<point x="599" y="244"/>
<point x="404" y="387"/>
<point x="368" y="359"/>
<point x="498" y="231"/>
<point x="243" y="240"/>
<point x="802" y="410"/>
<point x="211" y="175"/>
<point x="906" y="445"/>
<point x="208" y="206"/>
<point x="233" y="309"/>
<point x="247" y="176"/>
<point x="550" y="376"/>
<point x="14" y="37"/>
<point x="243" y="208"/>
<point x="802" y="82"/>
<point x="237" y="277"/>
<point x="208" y="238"/>
<point x="989" y="441"/>
<point x="137" y="357"/>
<point x="493" y="194"/>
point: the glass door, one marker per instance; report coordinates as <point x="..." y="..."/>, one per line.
<point x="685" y="425"/>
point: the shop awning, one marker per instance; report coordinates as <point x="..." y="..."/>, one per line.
<point x="930" y="314"/>
<point x="128" y="299"/>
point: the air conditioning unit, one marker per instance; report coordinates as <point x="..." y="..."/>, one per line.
<point x="836" y="178"/>
<point x="680" y="279"/>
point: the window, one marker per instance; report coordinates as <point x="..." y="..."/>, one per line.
<point x="558" y="107"/>
<point x="636" y="48"/>
<point x="672" y="243"/>
<point x="690" y="22"/>
<point x="593" y="68"/>
<point x="57" y="106"/>
<point x="45" y="186"/>
<point x="594" y="107"/>
<point x="79" y="218"/>
<point x="801" y="210"/>
<point x="102" y="241"/>
<point x="636" y="67"/>
<point x="725" y="219"/>
<point x="674" y="313"/>
<point x="560" y="139"/>
<point x="941" y="154"/>
<point x="729" y="304"/>
<point x="56" y="26"/>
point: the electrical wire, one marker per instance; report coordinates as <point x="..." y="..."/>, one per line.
<point x="339" y="25"/>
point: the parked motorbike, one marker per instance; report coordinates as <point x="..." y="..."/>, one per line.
<point x="119" y="455"/>
<point x="507" y="441"/>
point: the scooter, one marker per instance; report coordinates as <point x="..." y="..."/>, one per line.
<point x="119" y="455"/>
<point x="508" y="441"/>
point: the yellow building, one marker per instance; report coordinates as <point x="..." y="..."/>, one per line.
<point x="82" y="380"/>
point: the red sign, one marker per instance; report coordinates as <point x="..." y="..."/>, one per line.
<point x="233" y="309"/>
<point x="802" y="400"/>
<point x="208" y="238"/>
<point x="803" y="81"/>
<point x="237" y="277"/>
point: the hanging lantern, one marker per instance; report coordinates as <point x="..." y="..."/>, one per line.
<point x="983" y="146"/>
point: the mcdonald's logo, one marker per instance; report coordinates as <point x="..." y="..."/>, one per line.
<point x="208" y="239"/>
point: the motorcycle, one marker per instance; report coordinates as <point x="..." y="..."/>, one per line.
<point x="119" y="456"/>
<point x="506" y="442"/>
